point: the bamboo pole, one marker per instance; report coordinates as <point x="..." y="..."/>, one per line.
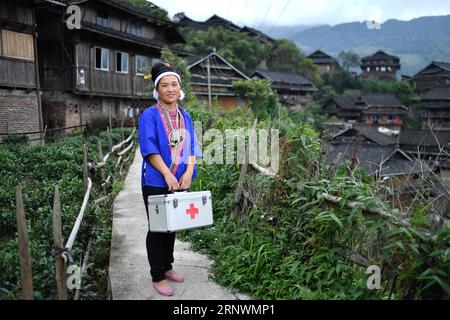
<point x="110" y="139"/>
<point x="61" y="283"/>
<point x="121" y="131"/>
<point x="85" y="166"/>
<point x="240" y="186"/>
<point x="76" y="227"/>
<point x="351" y="204"/>
<point x="24" y="248"/>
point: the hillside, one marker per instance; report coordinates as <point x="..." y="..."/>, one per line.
<point x="416" y="42"/>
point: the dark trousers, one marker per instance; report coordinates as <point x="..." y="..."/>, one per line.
<point x="159" y="245"/>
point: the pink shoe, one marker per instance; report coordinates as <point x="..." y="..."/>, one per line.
<point x="164" y="290"/>
<point x="174" y="276"/>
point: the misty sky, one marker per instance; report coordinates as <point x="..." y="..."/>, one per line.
<point x="269" y="13"/>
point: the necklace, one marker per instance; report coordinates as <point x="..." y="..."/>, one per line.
<point x="175" y="136"/>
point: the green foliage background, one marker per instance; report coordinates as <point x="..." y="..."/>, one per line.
<point x="38" y="169"/>
<point x="292" y="244"/>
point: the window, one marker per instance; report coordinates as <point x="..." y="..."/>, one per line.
<point x="136" y="29"/>
<point x="102" y="18"/>
<point x="17" y="45"/>
<point x="390" y="119"/>
<point x="122" y="62"/>
<point x="102" y="59"/>
<point x="375" y="119"/>
<point x="143" y="64"/>
<point x="368" y="69"/>
<point x="383" y="69"/>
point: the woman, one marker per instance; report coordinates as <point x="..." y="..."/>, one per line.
<point x="169" y="149"/>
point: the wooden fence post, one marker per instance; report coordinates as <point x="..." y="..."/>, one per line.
<point x="240" y="186"/>
<point x="24" y="248"/>
<point x="43" y="136"/>
<point x="102" y="171"/>
<point x="85" y="166"/>
<point x="123" y="134"/>
<point x="61" y="283"/>
<point x="110" y="139"/>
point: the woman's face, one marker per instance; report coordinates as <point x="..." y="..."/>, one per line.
<point x="169" y="89"/>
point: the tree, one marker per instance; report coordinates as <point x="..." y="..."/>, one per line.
<point x="150" y="8"/>
<point x="287" y="57"/>
<point x="260" y="96"/>
<point x="242" y="51"/>
<point x="400" y="89"/>
<point x="341" y="80"/>
<point x="348" y="59"/>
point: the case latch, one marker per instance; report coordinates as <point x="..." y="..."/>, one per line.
<point x="204" y="200"/>
<point x="157" y="209"/>
<point x="175" y="203"/>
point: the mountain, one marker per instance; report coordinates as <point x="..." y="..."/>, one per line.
<point x="417" y="42"/>
<point x="280" y="32"/>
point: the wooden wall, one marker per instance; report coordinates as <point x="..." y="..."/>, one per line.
<point x="117" y="20"/>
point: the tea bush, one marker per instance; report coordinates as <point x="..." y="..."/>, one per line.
<point x="38" y="169"/>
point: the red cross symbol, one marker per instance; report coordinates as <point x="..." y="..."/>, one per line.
<point x="192" y="211"/>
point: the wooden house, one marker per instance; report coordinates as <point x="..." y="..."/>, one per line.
<point x="380" y="65"/>
<point x="324" y="62"/>
<point x="340" y="111"/>
<point x="256" y="34"/>
<point x="217" y="21"/>
<point x="187" y="22"/>
<point x="436" y="109"/>
<point x="426" y="144"/>
<point x="381" y="110"/>
<point x="221" y="77"/>
<point x="380" y="156"/>
<point x="436" y="74"/>
<point x="294" y="91"/>
<point x="99" y="68"/>
<point x="20" y="108"/>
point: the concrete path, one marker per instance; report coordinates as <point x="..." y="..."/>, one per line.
<point x="129" y="271"/>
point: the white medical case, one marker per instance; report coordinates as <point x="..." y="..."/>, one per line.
<point x="180" y="211"/>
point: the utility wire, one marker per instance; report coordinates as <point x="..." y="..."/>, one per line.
<point x="265" y="15"/>
<point x="242" y="12"/>
<point x="228" y="11"/>
<point x="279" y="17"/>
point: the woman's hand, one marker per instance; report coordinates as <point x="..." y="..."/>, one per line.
<point x="186" y="180"/>
<point x="171" y="181"/>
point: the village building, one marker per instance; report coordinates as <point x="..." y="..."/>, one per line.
<point x="382" y="109"/>
<point x="221" y="75"/>
<point x="216" y="21"/>
<point x="294" y="91"/>
<point x="325" y="63"/>
<point x="435" y="75"/>
<point x="380" y="65"/>
<point x="435" y="109"/>
<point x="380" y="156"/>
<point x="98" y="69"/>
<point x="20" y="105"/>
<point x="379" y="110"/>
<point x="340" y="113"/>
<point x="256" y="34"/>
